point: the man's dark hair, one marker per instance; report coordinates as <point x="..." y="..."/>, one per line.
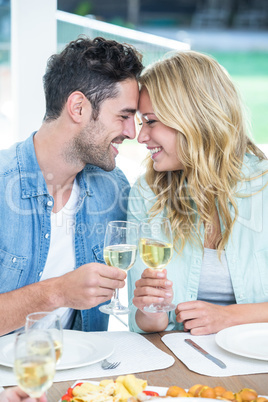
<point x="93" y="67"/>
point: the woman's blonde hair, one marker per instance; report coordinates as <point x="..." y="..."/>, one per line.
<point x="193" y="94"/>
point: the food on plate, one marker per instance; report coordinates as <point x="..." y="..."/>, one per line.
<point x="248" y="394"/>
<point x="219" y="392"/>
<point x="120" y="390"/>
<point x="176" y="391"/>
<point x="85" y="388"/>
<point x="207" y="392"/>
<point x="133" y="384"/>
<point x="195" y="389"/>
<point x="128" y="388"/>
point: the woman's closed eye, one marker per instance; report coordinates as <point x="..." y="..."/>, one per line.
<point x="148" y="122"/>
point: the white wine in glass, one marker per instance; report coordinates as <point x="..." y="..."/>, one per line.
<point x="34" y="364"/>
<point x="120" y="250"/>
<point x="120" y="256"/>
<point x="155" y="254"/>
<point x="50" y="322"/>
<point x="156" y="250"/>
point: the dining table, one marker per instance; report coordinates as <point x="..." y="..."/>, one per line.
<point x="177" y="374"/>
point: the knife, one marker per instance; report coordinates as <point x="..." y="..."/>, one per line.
<point x="206" y="354"/>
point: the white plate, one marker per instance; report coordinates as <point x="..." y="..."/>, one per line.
<point x="248" y="340"/>
<point x="79" y="349"/>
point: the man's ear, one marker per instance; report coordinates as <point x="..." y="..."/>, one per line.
<point x="78" y="106"/>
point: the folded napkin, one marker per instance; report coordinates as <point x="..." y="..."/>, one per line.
<point x="135" y="353"/>
<point x="195" y="361"/>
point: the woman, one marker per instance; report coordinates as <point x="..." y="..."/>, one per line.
<point x="208" y="177"/>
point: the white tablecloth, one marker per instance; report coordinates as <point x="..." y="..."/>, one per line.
<point x="135" y="353"/>
<point x="236" y="365"/>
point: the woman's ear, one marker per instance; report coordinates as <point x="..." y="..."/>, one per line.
<point x="77" y="104"/>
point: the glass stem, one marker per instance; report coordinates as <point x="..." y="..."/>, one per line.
<point x="115" y="297"/>
<point x="115" y="300"/>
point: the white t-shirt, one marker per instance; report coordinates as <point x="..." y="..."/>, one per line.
<point x="215" y="285"/>
<point x="61" y="255"/>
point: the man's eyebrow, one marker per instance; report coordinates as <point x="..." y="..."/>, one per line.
<point x="127" y="110"/>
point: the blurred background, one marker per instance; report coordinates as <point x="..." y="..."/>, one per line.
<point x="235" y="32"/>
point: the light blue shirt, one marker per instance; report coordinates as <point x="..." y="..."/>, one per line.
<point x="25" y="210"/>
<point x="246" y="250"/>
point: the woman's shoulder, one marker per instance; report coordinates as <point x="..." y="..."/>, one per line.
<point x="255" y="172"/>
<point x="254" y="165"/>
<point x="141" y="192"/>
<point x="141" y="186"/>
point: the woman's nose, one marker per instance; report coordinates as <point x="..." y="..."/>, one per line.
<point x="143" y="135"/>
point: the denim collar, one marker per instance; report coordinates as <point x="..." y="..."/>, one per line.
<point x="33" y="183"/>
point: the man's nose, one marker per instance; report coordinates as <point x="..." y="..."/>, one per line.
<point x="130" y="128"/>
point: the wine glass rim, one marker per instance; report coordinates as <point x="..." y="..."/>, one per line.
<point x="24" y="335"/>
<point x="32" y="316"/>
<point x="155" y="219"/>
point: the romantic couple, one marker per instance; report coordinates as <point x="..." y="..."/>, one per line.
<point x="60" y="187"/>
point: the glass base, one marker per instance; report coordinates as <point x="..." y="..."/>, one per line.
<point x="115" y="309"/>
<point x="159" y="308"/>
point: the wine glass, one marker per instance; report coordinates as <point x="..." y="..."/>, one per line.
<point x="120" y="250"/>
<point x="156" y="249"/>
<point x="34" y="364"/>
<point x="50" y="322"/>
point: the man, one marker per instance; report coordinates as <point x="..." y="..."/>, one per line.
<point x="60" y="187"/>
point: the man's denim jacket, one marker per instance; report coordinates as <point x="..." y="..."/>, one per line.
<point x="25" y="209"/>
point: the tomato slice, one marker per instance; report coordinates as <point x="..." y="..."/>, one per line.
<point x="151" y="393"/>
<point x="66" y="397"/>
<point x="70" y="392"/>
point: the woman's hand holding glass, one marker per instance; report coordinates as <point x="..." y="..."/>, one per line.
<point x="153" y="287"/>
<point x="156" y="249"/>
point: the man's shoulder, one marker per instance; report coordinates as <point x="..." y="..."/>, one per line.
<point x="8" y="160"/>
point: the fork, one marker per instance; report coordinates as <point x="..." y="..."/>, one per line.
<point x="105" y="365"/>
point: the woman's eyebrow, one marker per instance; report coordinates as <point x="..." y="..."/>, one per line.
<point x="147" y="114"/>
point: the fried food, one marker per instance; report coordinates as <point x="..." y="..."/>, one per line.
<point x="133" y="384"/>
<point x="120" y="390"/>
<point x="176" y="391"/>
<point x="130" y="389"/>
<point x="219" y="392"/>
